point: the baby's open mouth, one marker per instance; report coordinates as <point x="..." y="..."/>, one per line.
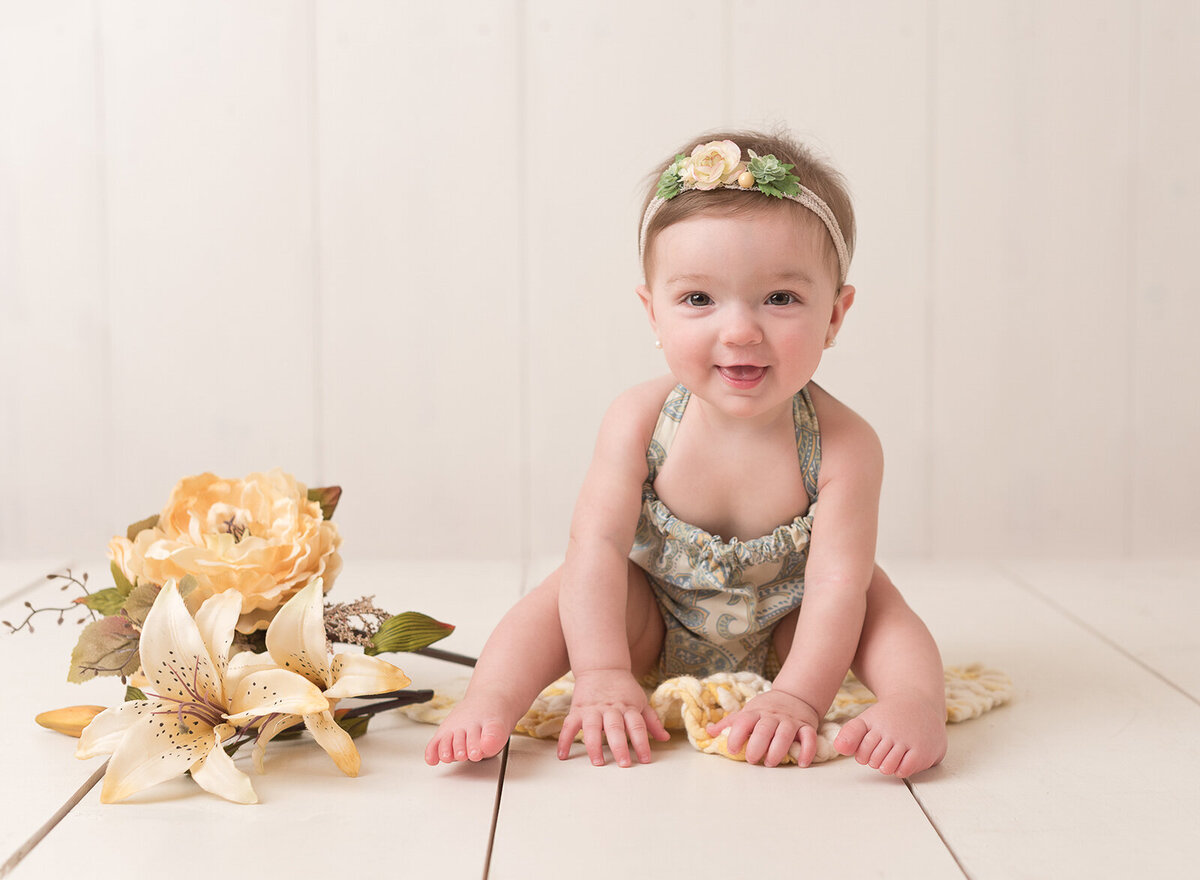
<point x="741" y="374"/>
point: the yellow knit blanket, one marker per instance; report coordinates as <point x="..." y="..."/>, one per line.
<point x="691" y="704"/>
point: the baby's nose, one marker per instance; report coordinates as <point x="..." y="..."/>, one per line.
<point x="740" y="328"/>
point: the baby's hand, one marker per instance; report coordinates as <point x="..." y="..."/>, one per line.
<point x="772" y="721"/>
<point x="608" y="704"/>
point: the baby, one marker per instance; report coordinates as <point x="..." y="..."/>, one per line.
<point x="728" y="519"/>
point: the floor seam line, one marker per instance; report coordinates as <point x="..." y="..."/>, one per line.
<point x="1087" y="627"/>
<point x="936" y="830"/>
<point x="487" y="859"/>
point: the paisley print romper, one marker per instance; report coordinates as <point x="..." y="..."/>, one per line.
<point x="721" y="600"/>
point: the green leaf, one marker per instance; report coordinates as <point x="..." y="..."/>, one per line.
<point x="141" y="525"/>
<point x="124" y="587"/>
<point x="108" y="646"/>
<point x="327" y="497"/>
<point x="355" y="726"/>
<point x="132" y="693"/>
<point x="409" y="631"/>
<point x="105" y="601"/>
<point x="186" y="584"/>
<point x="137" y="606"/>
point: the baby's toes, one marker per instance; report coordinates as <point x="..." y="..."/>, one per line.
<point x="894" y="759"/>
<point x="866" y="748"/>
<point x="880" y="753"/>
<point x="851" y="736"/>
<point x="492" y="739"/>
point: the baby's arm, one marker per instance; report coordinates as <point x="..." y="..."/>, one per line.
<point x="840" y="565"/>
<point x="608" y="703"/>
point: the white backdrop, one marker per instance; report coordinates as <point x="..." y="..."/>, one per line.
<point x="391" y="245"/>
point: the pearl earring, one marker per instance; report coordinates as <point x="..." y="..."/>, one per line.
<point x="830" y="343"/>
<point x="658" y="343"/>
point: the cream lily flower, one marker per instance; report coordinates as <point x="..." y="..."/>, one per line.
<point x="296" y="642"/>
<point x="194" y="707"/>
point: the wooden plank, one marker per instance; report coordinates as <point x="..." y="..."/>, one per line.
<point x="397" y="813"/>
<point x="1164" y="515"/>
<point x="1031" y="358"/>
<point x="706" y="813"/>
<point x="420" y="382"/>
<point x="209" y="174"/>
<point x="1146" y="607"/>
<point x="53" y="322"/>
<point x="885" y="155"/>
<point x="603" y="108"/>
<point x="37" y="765"/>
<point x="1091" y="771"/>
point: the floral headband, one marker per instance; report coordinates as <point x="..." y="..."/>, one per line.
<point x="719" y="165"/>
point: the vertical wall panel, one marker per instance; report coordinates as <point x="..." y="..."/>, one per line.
<point x="210" y="234"/>
<point x="830" y="89"/>
<point x="53" y="320"/>
<point x="420" y="304"/>
<point x="1031" y="362"/>
<point x="610" y="90"/>
<point x="1166" y="417"/>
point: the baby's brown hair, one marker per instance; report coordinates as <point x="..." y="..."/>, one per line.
<point x="813" y="172"/>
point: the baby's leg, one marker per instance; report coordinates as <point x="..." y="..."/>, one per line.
<point x="905" y="731"/>
<point x="525" y="653"/>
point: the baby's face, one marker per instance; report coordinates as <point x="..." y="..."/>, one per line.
<point x="744" y="305"/>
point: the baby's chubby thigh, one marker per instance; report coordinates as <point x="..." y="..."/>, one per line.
<point x="644" y="623"/>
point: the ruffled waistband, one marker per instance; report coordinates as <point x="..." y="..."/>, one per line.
<point x="785" y="538"/>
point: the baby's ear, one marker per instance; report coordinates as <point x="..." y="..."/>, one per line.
<point x="643" y="293"/>
<point x="841" y="305"/>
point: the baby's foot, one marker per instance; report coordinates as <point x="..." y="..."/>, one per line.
<point x="475" y="729"/>
<point x="898" y="737"/>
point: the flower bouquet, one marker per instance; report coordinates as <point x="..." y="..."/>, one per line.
<point x="216" y="621"/>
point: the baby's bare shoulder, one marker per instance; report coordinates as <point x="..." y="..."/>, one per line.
<point x="635" y="411"/>
<point x="845" y="435"/>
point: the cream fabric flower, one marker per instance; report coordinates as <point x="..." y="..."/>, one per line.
<point x="193" y="706"/>
<point x="259" y="537"/>
<point x="711" y="165"/>
<point x="296" y="642"/>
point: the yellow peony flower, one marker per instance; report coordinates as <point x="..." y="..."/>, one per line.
<point x="260" y="537"/>
<point x="711" y="165"/>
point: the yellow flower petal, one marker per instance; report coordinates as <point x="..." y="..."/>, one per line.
<point x="155" y="748"/>
<point x="174" y="655"/>
<point x="274" y="691"/>
<point x="335" y="741"/>
<point x="70" y="720"/>
<point x="107" y="729"/>
<point x="357" y="674"/>
<point x="215" y="620"/>
<point x="271" y="729"/>
<point x="296" y="637"/>
<point x="215" y="772"/>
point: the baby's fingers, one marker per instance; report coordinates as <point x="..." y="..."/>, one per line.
<point x="614" y="730"/>
<point x="808" y="745"/>
<point x="570" y="729"/>
<point x="654" y="724"/>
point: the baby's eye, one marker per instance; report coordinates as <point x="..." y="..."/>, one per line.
<point x="781" y="298"/>
<point x="699" y="299"/>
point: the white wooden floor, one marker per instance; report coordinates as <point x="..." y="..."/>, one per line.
<point x="1092" y="771"/>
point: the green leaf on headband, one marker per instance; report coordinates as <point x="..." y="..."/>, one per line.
<point x="132" y="693"/>
<point x="141" y="525"/>
<point x="670" y="184"/>
<point x="409" y="631"/>
<point x="327" y="497"/>
<point x="773" y="177"/>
